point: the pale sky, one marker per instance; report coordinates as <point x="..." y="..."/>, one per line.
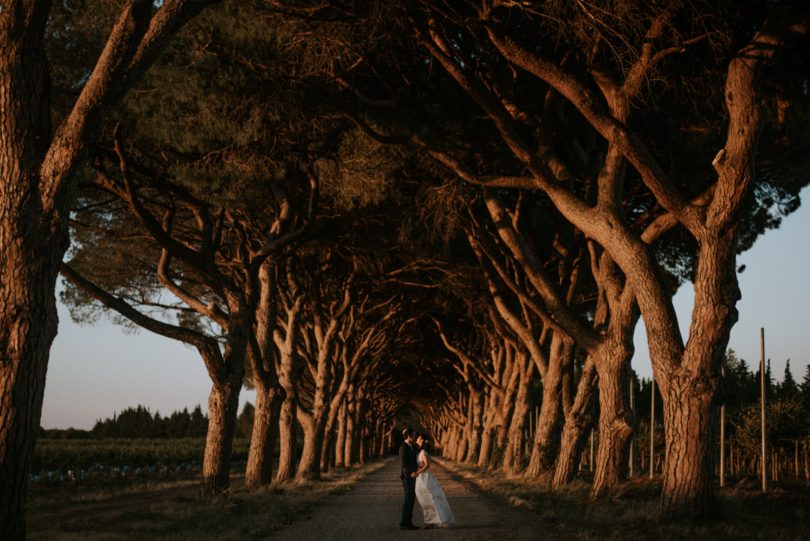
<point x="96" y="371"/>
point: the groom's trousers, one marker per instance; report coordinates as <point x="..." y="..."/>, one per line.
<point x="409" y="484"/>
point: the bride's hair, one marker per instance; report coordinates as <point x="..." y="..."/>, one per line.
<point x="425" y="442"/>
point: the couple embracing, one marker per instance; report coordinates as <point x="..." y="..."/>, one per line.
<point x="419" y="483"/>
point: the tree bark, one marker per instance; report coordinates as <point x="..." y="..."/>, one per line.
<point x="547" y="434"/>
<point x="507" y="403"/>
<point x="690" y="437"/>
<point x="223" y="409"/>
<point x="578" y="421"/>
<point x="513" y="451"/>
<point x="615" y="419"/>
<point x="340" y="438"/>
<point x="357" y="430"/>
<point x="288" y="379"/>
<point x="31" y="249"/>
<point x="259" y="470"/>
<point x="690" y="391"/>
<point x="286" y="435"/>
<point x="348" y="442"/>
<point x="309" y="466"/>
<point x="487" y="437"/>
<point x="473" y="427"/>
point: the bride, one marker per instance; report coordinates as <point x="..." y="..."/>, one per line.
<point x="429" y="493"/>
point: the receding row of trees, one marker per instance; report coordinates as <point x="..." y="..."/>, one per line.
<point x="494" y="421"/>
<point x="378" y="210"/>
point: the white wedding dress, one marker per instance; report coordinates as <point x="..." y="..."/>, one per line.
<point x="431" y="498"/>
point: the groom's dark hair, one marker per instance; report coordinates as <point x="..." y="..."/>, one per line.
<point x="406" y="432"/>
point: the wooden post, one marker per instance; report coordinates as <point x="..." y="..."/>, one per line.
<point x="652" y="427"/>
<point x="633" y="437"/>
<point x="796" y="458"/>
<point x="722" y="437"/>
<point x="764" y="460"/>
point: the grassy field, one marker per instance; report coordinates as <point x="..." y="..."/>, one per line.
<point x="632" y="512"/>
<point x="175" y="512"/>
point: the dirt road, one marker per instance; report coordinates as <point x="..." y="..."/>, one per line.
<point x="372" y="508"/>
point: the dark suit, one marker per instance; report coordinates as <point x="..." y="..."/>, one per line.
<point x="407" y="464"/>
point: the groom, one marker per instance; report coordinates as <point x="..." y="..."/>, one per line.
<point x="407" y="463"/>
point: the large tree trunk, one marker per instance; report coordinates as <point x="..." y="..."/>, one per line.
<point x="578" y="421"/>
<point x="690" y="391"/>
<point x="259" y="470"/>
<point x="357" y="430"/>
<point x="340" y="438"/>
<point x="547" y="434"/>
<point x="463" y="442"/>
<point x="31" y="249"/>
<point x="478" y="427"/>
<point x="309" y="467"/>
<point x="286" y="435"/>
<point x="474" y="427"/>
<point x="615" y="416"/>
<point x="223" y="409"/>
<point x="690" y="436"/>
<point x="28" y="325"/>
<point x="513" y="451"/>
<point x="328" y="446"/>
<point x="451" y="442"/>
<point x="488" y="431"/>
<point x="288" y="378"/>
<point x="508" y="400"/>
<point x="348" y="441"/>
<point x="615" y="421"/>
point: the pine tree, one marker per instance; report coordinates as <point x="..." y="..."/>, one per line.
<point x="805" y="391"/>
<point x="769" y="383"/>
<point x="788" y="389"/>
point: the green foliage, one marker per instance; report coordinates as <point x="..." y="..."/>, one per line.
<point x="805" y="393"/>
<point x="116" y="453"/>
<point x="139" y="422"/>
<point x="785" y="422"/>
<point x="788" y="389"/>
<point x="740" y="384"/>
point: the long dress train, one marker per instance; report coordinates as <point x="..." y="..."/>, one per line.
<point x="431" y="498"/>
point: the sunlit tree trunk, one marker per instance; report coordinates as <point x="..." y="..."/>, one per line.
<point x="31" y="249"/>
<point x="340" y="438"/>
<point x="313" y="426"/>
<point x="616" y="420"/>
<point x="223" y="409"/>
<point x="488" y="428"/>
<point x="286" y="418"/>
<point x="546" y="436"/>
<point x="349" y="444"/>
<point x="357" y="428"/>
<point x="513" y="451"/>
<point x="578" y="422"/>
<point x="259" y="469"/>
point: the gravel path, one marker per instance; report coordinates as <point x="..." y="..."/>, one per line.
<point x="371" y="511"/>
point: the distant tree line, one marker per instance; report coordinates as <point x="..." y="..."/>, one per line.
<point x="140" y="422"/>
